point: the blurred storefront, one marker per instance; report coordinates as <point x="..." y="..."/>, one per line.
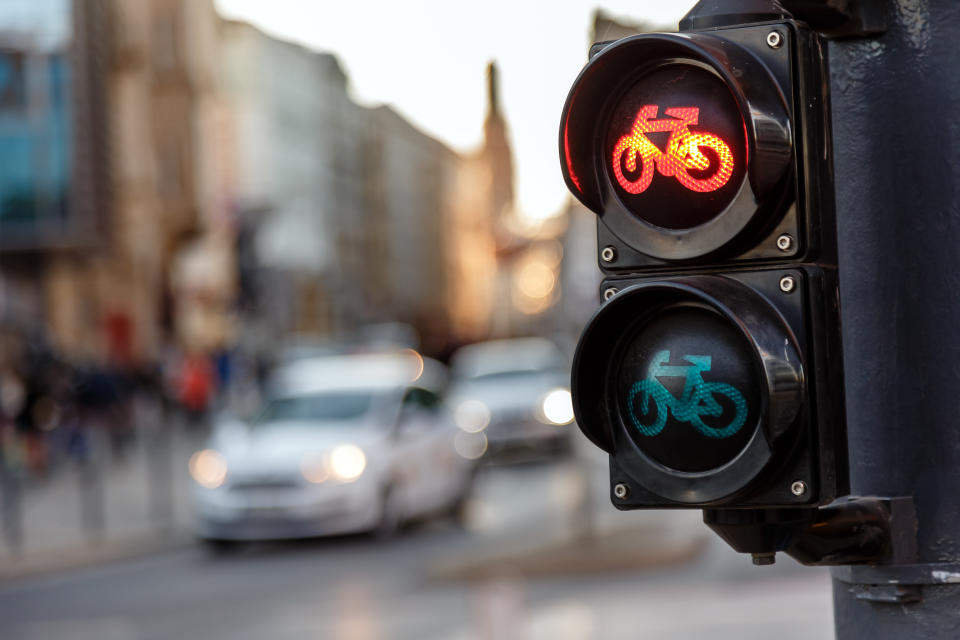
<point x="106" y="109"/>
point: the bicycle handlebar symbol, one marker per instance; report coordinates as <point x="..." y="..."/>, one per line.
<point x="682" y="155"/>
<point x="696" y="401"/>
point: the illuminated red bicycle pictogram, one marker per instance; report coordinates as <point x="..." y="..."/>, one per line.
<point x="681" y="155"/>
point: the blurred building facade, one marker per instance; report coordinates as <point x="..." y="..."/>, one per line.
<point x="125" y="241"/>
<point x="53" y="181"/>
<point x="172" y="212"/>
<point x="173" y="179"/>
<point x="350" y="216"/>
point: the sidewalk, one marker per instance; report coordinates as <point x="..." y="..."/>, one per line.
<point x="116" y="509"/>
<point x="544" y="520"/>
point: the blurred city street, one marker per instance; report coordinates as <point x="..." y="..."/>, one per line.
<point x="288" y="306"/>
<point x="441" y="581"/>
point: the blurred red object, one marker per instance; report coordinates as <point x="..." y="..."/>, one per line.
<point x="196" y="382"/>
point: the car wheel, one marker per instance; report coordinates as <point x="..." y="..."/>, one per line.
<point x="390" y="521"/>
<point x="219" y="547"/>
<point x="459" y="510"/>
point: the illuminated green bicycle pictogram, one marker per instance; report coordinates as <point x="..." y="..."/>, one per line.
<point x="697" y="399"/>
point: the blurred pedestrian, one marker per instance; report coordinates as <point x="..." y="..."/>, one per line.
<point x="96" y="397"/>
<point x="195" y="388"/>
<point x="28" y="425"/>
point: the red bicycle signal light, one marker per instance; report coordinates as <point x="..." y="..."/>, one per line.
<point x="680" y="141"/>
<point x="683" y="157"/>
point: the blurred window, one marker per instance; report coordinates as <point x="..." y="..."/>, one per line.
<point x="420" y="398"/>
<point x="36" y="140"/>
<point x="13" y="81"/>
<point x="321" y="406"/>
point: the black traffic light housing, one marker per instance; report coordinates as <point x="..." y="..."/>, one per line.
<point x="712" y="373"/>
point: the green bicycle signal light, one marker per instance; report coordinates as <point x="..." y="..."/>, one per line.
<point x="701" y="382"/>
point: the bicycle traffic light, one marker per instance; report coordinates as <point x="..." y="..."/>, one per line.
<point x="712" y="372"/>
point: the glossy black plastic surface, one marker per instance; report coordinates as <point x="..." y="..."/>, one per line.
<point x="615" y="71"/>
<point x="775" y="357"/>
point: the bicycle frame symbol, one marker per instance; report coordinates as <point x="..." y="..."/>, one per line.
<point x="682" y="155"/>
<point x="696" y="401"/>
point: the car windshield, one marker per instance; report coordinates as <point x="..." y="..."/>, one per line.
<point x="511" y="375"/>
<point x="319" y="406"/>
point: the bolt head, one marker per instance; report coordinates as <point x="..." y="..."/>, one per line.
<point x="798" y="488"/>
<point x="609" y="293"/>
<point x="788" y="284"/>
<point x="774" y="39"/>
<point x="608" y="254"/>
<point x="785" y="242"/>
<point x="620" y="491"/>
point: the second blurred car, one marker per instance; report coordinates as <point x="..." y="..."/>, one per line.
<point x="515" y="393"/>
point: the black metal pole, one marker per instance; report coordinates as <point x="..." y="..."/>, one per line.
<point x="896" y="126"/>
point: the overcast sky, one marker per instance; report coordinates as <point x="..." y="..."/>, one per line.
<point x="427" y="58"/>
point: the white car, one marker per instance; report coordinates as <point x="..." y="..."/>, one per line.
<point x="342" y="444"/>
<point x="514" y="392"/>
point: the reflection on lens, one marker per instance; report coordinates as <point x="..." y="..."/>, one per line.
<point x="208" y="468"/>
<point x="471" y="446"/>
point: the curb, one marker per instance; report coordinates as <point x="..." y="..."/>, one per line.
<point x="620" y="551"/>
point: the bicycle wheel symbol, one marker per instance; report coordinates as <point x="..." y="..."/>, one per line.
<point x="649" y="402"/>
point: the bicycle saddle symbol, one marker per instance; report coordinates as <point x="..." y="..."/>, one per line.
<point x="696" y="401"/>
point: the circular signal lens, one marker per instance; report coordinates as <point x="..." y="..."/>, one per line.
<point x="687" y="389"/>
<point x="676" y="147"/>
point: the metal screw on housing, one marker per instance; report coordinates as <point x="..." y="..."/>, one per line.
<point x="774" y="40"/>
<point x="761" y="559"/>
<point x="785" y="242"/>
<point x="609" y="293"/>
<point x="620" y="491"/>
<point x="787" y="284"/>
<point x="798" y="488"/>
<point x="609" y="254"/>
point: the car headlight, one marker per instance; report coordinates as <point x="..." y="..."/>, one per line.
<point x="557" y="407"/>
<point x="315" y="469"/>
<point x="347" y="462"/>
<point x="208" y="468"/>
<point x="472" y="416"/>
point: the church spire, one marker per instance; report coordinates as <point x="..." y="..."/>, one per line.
<point x="493" y="102"/>
<point x="496" y="148"/>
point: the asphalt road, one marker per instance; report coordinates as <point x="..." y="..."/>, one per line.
<point x="358" y="588"/>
